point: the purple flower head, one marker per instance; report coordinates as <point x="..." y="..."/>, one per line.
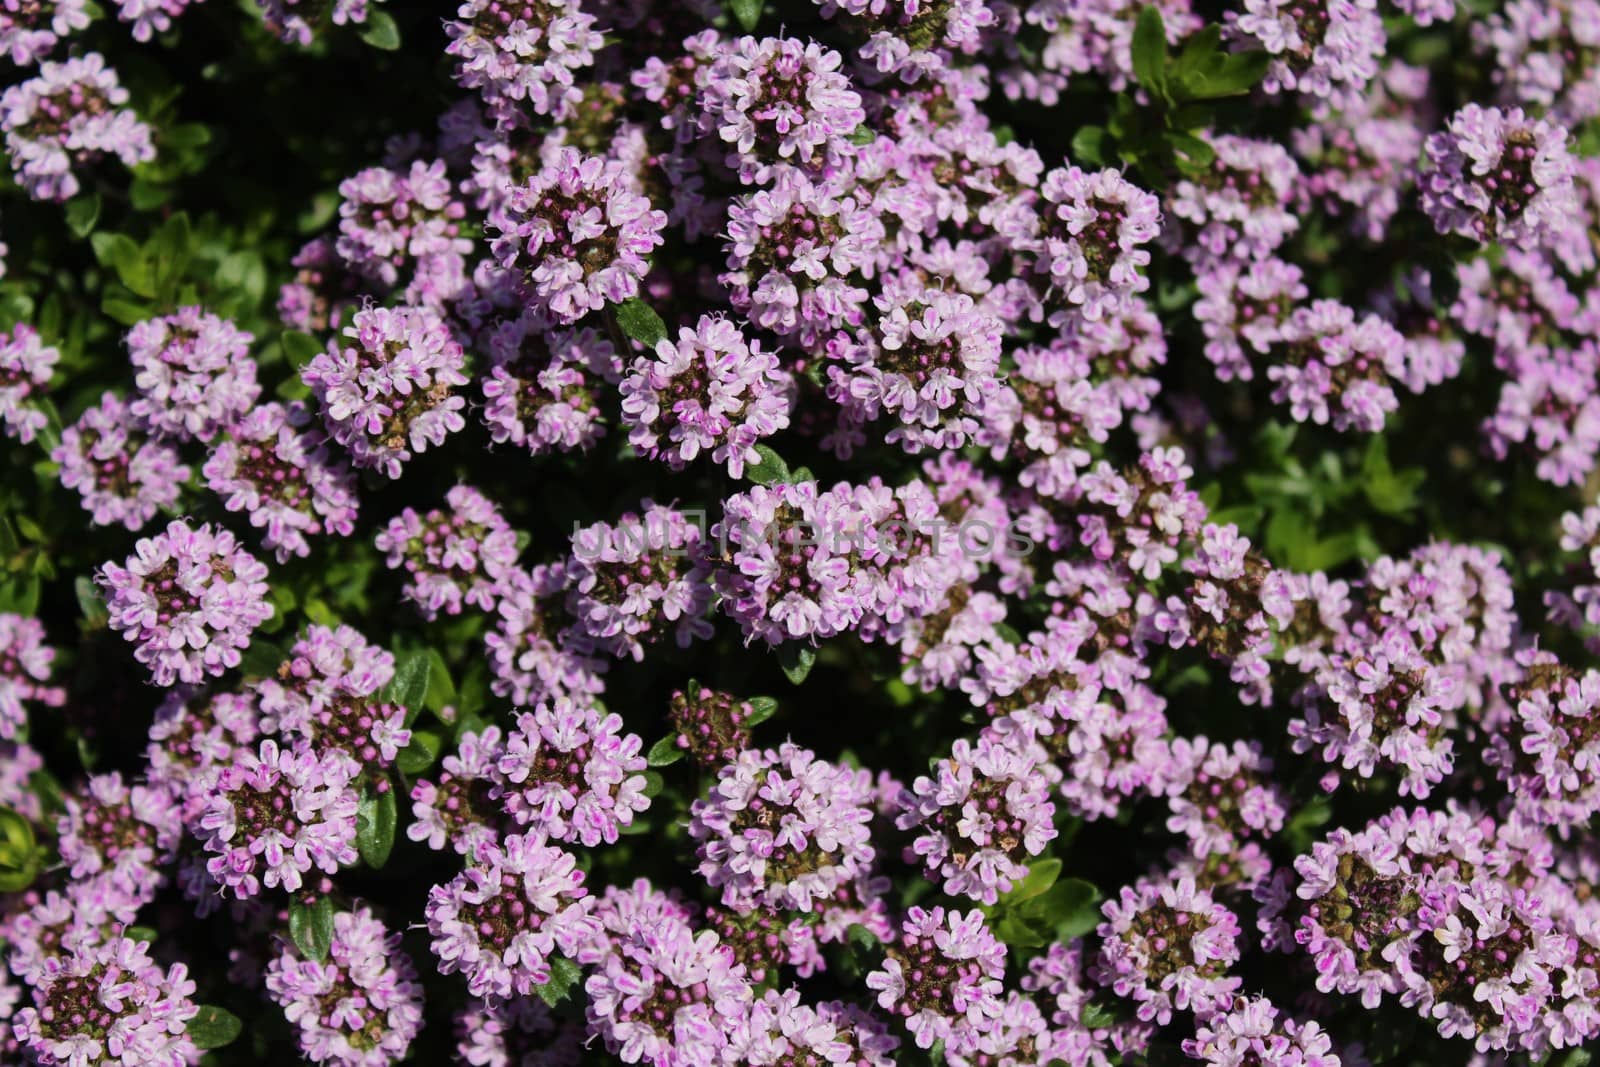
<point x="66" y="119"/>
<point x="782" y="829"/>
<point x="711" y="726"/>
<point x="794" y="249"/>
<point x="667" y="996"/>
<point x="1498" y="175"/>
<point x="123" y="475"/>
<point x="18" y="764"/>
<point x="394" y="390"/>
<point x="31" y="29"/>
<point x="1244" y="310"/>
<point x="942" y="974"/>
<point x="545" y="388"/>
<point x="1537" y="52"/>
<point x="1484" y="960"/>
<point x="273" y="816"/>
<point x="404" y="227"/>
<point x="1381" y="703"/>
<point x="121" y="833"/>
<point x="914" y="39"/>
<point x="518" y="1033"/>
<point x="1239" y="207"/>
<point x="639" y="580"/>
<point x="108" y="1003"/>
<point x="456" y="557"/>
<point x="530" y="653"/>
<point x="1335" y="369"/>
<point x="1137" y="519"/>
<point x="522" y="55"/>
<point x="518" y="903"/>
<point x="325" y="666"/>
<point x="1251" y="1028"/>
<point x="150" y="17"/>
<point x="791" y="570"/>
<point x="1220" y="795"/>
<point x="1168" y="945"/>
<point x="1107" y="735"/>
<point x="26" y="364"/>
<point x="1327" y="49"/>
<point x="579" y="233"/>
<point x="981" y="814"/>
<point x="930" y="363"/>
<point x="24" y="671"/>
<point x="572" y="774"/>
<point x="711" y="391"/>
<point x="192" y="737"/>
<point x="292" y="20"/>
<point x="194" y="374"/>
<point x="189" y="599"/>
<point x="323" y="294"/>
<point x="1057" y="980"/>
<point x="462" y="806"/>
<point x="85" y="914"/>
<point x="1090" y="245"/>
<point x="362" y="1006"/>
<point x="272" y="467"/>
<point x="1549" y="408"/>
<point x="780" y="1029"/>
<point x="779" y="99"/>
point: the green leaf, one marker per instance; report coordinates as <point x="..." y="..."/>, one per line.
<point x="761" y="709"/>
<point x="20" y="854"/>
<point x="441" y="690"/>
<point x="748" y="12"/>
<point x="664" y="752"/>
<point x="409" y="686"/>
<point x="1070" y="908"/>
<point x="796" y="661"/>
<point x="640" y="322"/>
<point x="19" y="594"/>
<point x="299" y="348"/>
<point x="311" y="927"/>
<point x="125" y="312"/>
<point x="119" y="252"/>
<point x="82" y="213"/>
<point x="770" y="471"/>
<point x="653" y="784"/>
<point x="1390" y="492"/>
<point x="147" y="195"/>
<point x="1041" y="876"/>
<point x="1193" y="153"/>
<point x="213" y="1027"/>
<point x="419" y="755"/>
<point x="376" y="818"/>
<point x="1198" y="51"/>
<point x="858" y="936"/>
<point x="381" y="31"/>
<point x="564" y="975"/>
<point x="262" y="659"/>
<point x="1150" y="51"/>
<point x="89" y="602"/>
<point x="1236" y="75"/>
<point x="1090" y="145"/>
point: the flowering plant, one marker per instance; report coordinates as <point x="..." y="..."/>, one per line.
<point x="1000" y="533"/>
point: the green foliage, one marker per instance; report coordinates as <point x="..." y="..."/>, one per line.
<point x="213" y="1027"/>
<point x="639" y="321"/>
<point x="376" y="819"/>
<point x="1157" y="131"/>
<point x="311" y="927"/>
